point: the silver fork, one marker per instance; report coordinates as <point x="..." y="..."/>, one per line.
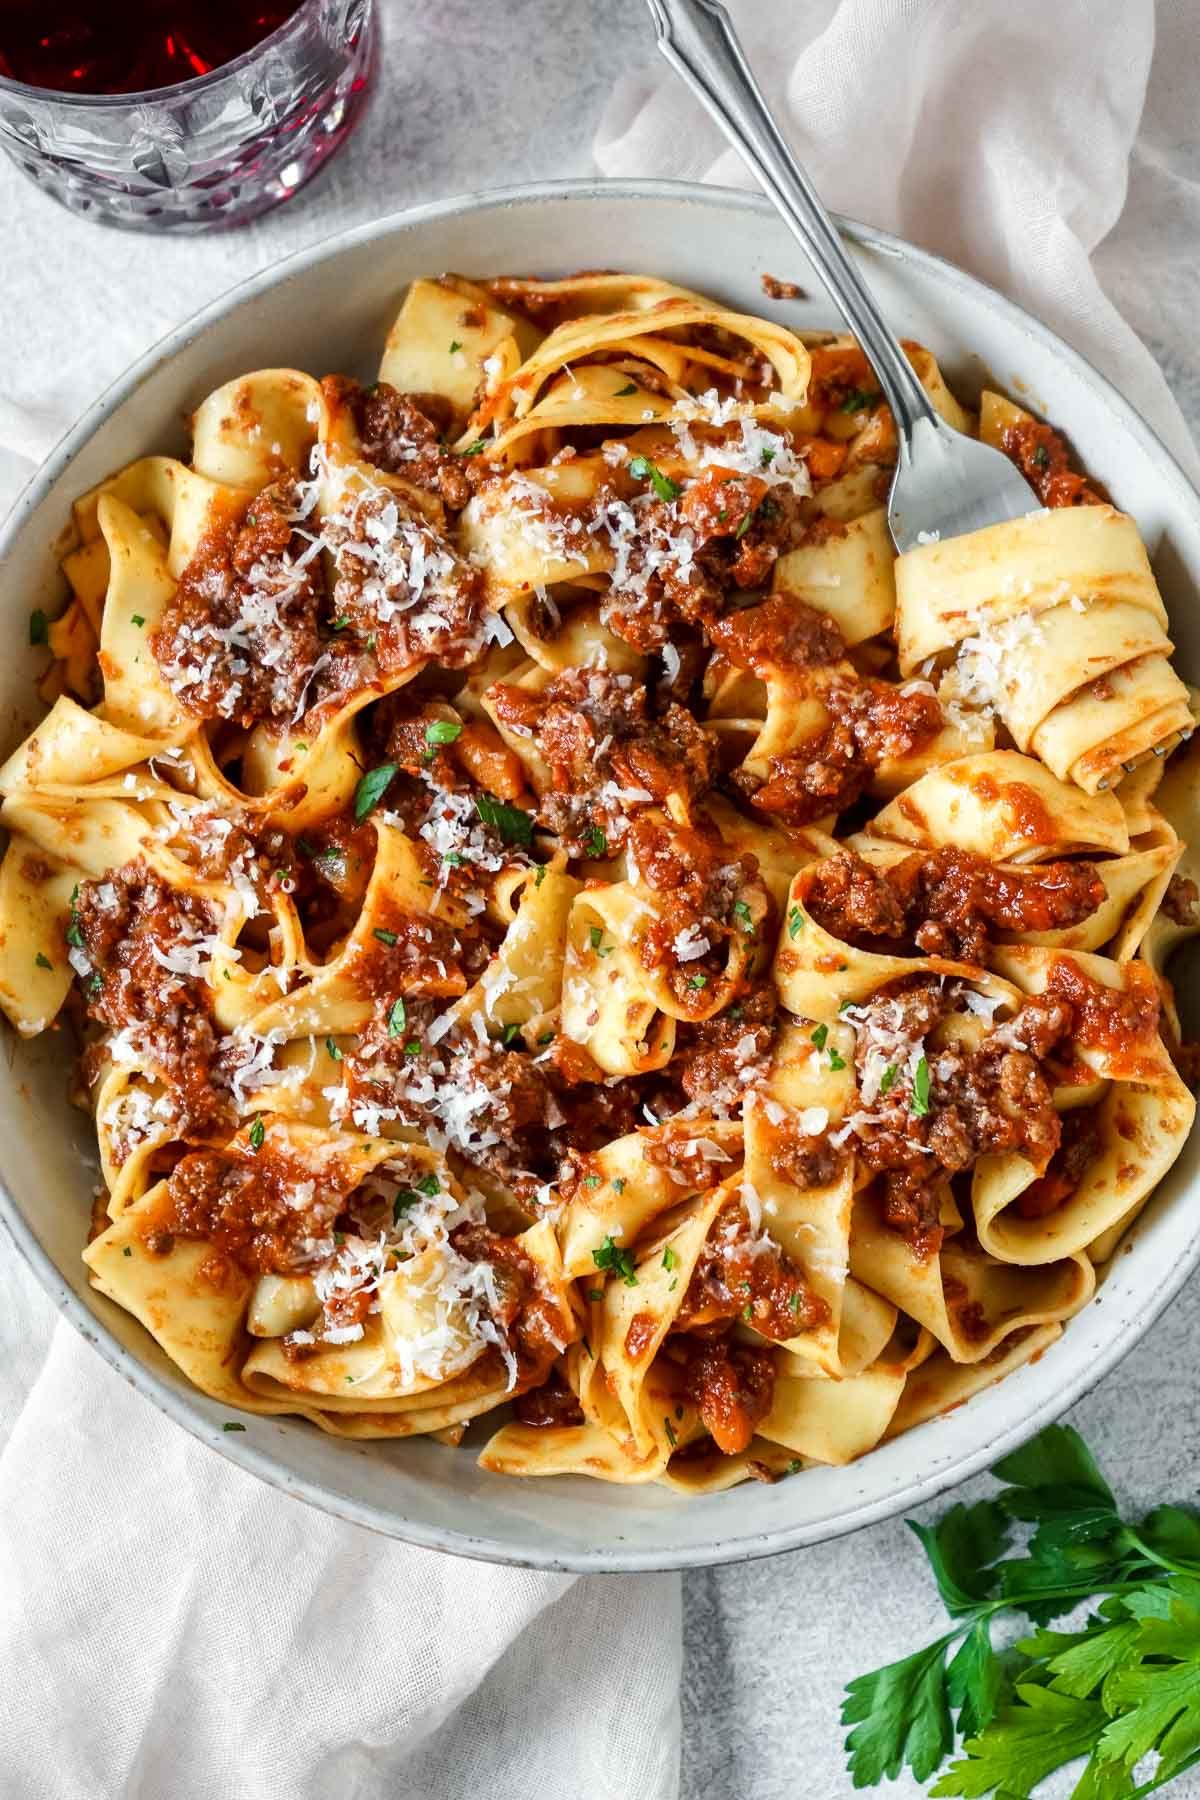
<point x="945" y="484"/>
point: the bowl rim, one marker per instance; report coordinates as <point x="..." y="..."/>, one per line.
<point x="177" y="1404"/>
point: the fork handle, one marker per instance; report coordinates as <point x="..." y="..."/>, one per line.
<point x="699" y="42"/>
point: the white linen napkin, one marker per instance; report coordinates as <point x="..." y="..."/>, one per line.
<point x="997" y="133"/>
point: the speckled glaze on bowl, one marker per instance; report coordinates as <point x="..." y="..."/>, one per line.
<point x="328" y="309"/>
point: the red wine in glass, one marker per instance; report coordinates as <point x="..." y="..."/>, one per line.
<point x="126" y="46"/>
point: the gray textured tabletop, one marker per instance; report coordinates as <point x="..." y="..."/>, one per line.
<point x="474" y="98"/>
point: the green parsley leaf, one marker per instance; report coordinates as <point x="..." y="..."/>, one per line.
<point x="544" y="1038"/>
<point x="974" y="1680"/>
<point x="510" y="1035"/>
<point x="429" y="1185"/>
<point x="339" y="624"/>
<point x="742" y="913"/>
<point x="405" y="1198"/>
<point x="617" y="1260"/>
<point x="901" y="1716"/>
<point x="595" y="1293"/>
<point x="475" y="449"/>
<point x="43" y="962"/>
<point x="592" y="1181"/>
<point x="698" y="981"/>
<point x="258" y="1132"/>
<point x="514" y="826"/>
<point x="768" y="455"/>
<point x="857" y="400"/>
<point x="455" y="347"/>
<point x="540" y="875"/>
<point x="443" y="731"/>
<point x="795" y="921"/>
<point x="624" y="393"/>
<point x="232" y="1425"/>
<point x="819" y="1036"/>
<point x="617" y="1184"/>
<point x="642" y="469"/>
<point x="959" y="1547"/>
<point x="384" y="936"/>
<point x="920" y="1088"/>
<point x="836" y="1060"/>
<point x="127" y="1251"/>
<point x="595" y="936"/>
<point x="744" y="527"/>
<point x="1025" y="1742"/>
<point x="670" y="1431"/>
<point x="887" y="1080"/>
<point x="137" y="619"/>
<point x="670" y="1260"/>
<point x="332" y="1051"/>
<point x="397" y="1019"/>
<point x="371" y="789"/>
<point x="413" y="1047"/>
<point x="39" y="627"/>
<point x="595" y="842"/>
<point x="1041" y="457"/>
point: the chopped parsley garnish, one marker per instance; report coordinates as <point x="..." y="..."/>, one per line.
<point x="595" y="842"/>
<point x="429" y="1185"/>
<point x="592" y="1181"/>
<point x="624" y="393"/>
<point x="371" y="789"/>
<point x="836" y="1061"/>
<point x="510" y="1035"/>
<point x="43" y="962"/>
<point x="1041" y="457"/>
<point x="332" y="1051"/>
<point x="137" y="618"/>
<point x="768" y="455"/>
<point x="819" y="1036"/>
<point x="443" y="731"/>
<point x="858" y="399"/>
<point x="744" y="527"/>
<point x="795" y="921"/>
<point x="540" y="876"/>
<point x="920" y="1089"/>
<point x="698" y="981"/>
<point x="595" y="1294"/>
<point x="545" y="1037"/>
<point x="595" y="936"/>
<point x="230" y="1424"/>
<point x="795" y="1300"/>
<point x="339" y="624"/>
<point x="642" y="469"/>
<point x="670" y="1260"/>
<point x="514" y="826"/>
<point x="742" y="913"/>
<point x="385" y="937"/>
<point x="455" y="347"/>
<point x="39" y="627"/>
<point x="397" y="1019"/>
<point x="617" y="1260"/>
<point x="258" y="1132"/>
<point x="888" y="1079"/>
<point x="618" y="1184"/>
<point x="413" y="1047"/>
<point x="405" y="1198"/>
<point x="475" y="449"/>
<point x="127" y="1251"/>
<point x="670" y="1430"/>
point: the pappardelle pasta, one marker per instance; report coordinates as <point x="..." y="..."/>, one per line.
<point x="558" y="917"/>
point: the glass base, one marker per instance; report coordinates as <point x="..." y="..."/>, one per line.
<point x="197" y="161"/>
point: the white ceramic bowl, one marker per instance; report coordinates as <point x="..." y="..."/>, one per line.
<point x="328" y="309"/>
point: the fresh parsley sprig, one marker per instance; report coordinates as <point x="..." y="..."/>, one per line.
<point x="1124" y="1685"/>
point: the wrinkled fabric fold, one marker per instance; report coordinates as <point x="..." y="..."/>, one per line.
<point x="170" y="1625"/>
